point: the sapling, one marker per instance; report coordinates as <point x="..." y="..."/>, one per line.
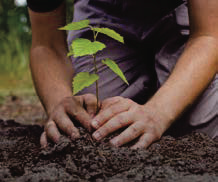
<point x="85" y="47"/>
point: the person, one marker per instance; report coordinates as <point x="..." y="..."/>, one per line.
<point x="170" y="58"/>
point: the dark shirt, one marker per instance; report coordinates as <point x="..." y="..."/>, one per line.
<point x="49" y="5"/>
<point x="43" y="5"/>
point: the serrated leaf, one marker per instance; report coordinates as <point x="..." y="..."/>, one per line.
<point x="76" y="25"/>
<point x="84" y="47"/>
<point x="83" y="80"/>
<point x="115" y="68"/>
<point x="109" y="32"/>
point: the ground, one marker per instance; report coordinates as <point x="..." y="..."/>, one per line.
<point x="25" y="109"/>
<point x="192" y="157"/>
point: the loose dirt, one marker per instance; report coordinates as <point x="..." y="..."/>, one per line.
<point x="189" y="158"/>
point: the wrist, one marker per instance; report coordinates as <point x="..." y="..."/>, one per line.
<point x="53" y="100"/>
<point x="158" y="114"/>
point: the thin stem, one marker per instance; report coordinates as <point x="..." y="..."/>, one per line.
<point x="96" y="83"/>
<point x="96" y="72"/>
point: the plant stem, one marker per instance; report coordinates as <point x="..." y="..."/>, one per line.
<point x="96" y="83"/>
<point x="96" y="72"/>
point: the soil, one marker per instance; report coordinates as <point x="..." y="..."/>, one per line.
<point x="26" y="109"/>
<point x="192" y="157"/>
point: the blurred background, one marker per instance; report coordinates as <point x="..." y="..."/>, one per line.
<point x="15" y="41"/>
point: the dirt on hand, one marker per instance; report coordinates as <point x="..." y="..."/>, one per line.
<point x="189" y="158"/>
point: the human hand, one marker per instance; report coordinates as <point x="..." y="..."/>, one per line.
<point x="118" y="112"/>
<point x="81" y="108"/>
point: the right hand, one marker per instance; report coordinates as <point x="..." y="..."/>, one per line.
<point x="81" y="108"/>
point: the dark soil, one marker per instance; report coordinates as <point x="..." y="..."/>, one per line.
<point x="189" y="158"/>
<point x="25" y="109"/>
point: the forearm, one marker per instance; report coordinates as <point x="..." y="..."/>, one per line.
<point x="194" y="71"/>
<point x="52" y="76"/>
<point x="51" y="69"/>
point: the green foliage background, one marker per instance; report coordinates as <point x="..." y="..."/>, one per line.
<point x="15" y="40"/>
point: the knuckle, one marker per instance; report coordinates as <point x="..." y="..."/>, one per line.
<point x="137" y="128"/>
<point x="106" y="101"/>
<point x="120" y="120"/>
<point x="54" y="115"/>
<point x="118" y="98"/>
<point x="67" y="102"/>
<point x="64" y="104"/>
<point x="112" y="110"/>
<point x="155" y="133"/>
<point x="128" y="101"/>
<point x="106" y="128"/>
<point x="68" y="128"/>
<point x="76" y="113"/>
<point x="140" y="110"/>
<point x="89" y="96"/>
<point x="112" y="99"/>
<point x="134" y="129"/>
<point x="63" y="101"/>
<point x="90" y="99"/>
<point x="79" y="99"/>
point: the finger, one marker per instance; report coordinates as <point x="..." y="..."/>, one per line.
<point x="117" y="122"/>
<point x="43" y="140"/>
<point x="52" y="131"/>
<point x="66" y="125"/>
<point x="144" y="141"/>
<point x="80" y="114"/>
<point x="107" y="113"/>
<point x="109" y="101"/>
<point x="90" y="102"/>
<point x="79" y="99"/>
<point x="131" y="133"/>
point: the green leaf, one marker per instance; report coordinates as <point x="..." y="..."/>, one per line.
<point x="115" y="68"/>
<point x="76" y="25"/>
<point x="109" y="32"/>
<point x="84" y="47"/>
<point x="70" y="53"/>
<point x="83" y="80"/>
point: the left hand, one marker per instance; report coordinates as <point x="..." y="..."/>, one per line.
<point x="118" y="112"/>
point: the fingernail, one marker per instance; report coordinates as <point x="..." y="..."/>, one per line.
<point x="114" y="142"/>
<point x="44" y="146"/>
<point x="97" y="135"/>
<point x="56" y="140"/>
<point x="95" y="124"/>
<point x="74" y="136"/>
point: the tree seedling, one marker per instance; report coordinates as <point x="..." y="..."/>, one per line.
<point x="85" y="47"/>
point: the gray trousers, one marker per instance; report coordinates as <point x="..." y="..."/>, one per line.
<point x="152" y="47"/>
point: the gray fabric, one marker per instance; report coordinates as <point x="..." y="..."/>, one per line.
<point x="203" y="114"/>
<point x="152" y="47"/>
